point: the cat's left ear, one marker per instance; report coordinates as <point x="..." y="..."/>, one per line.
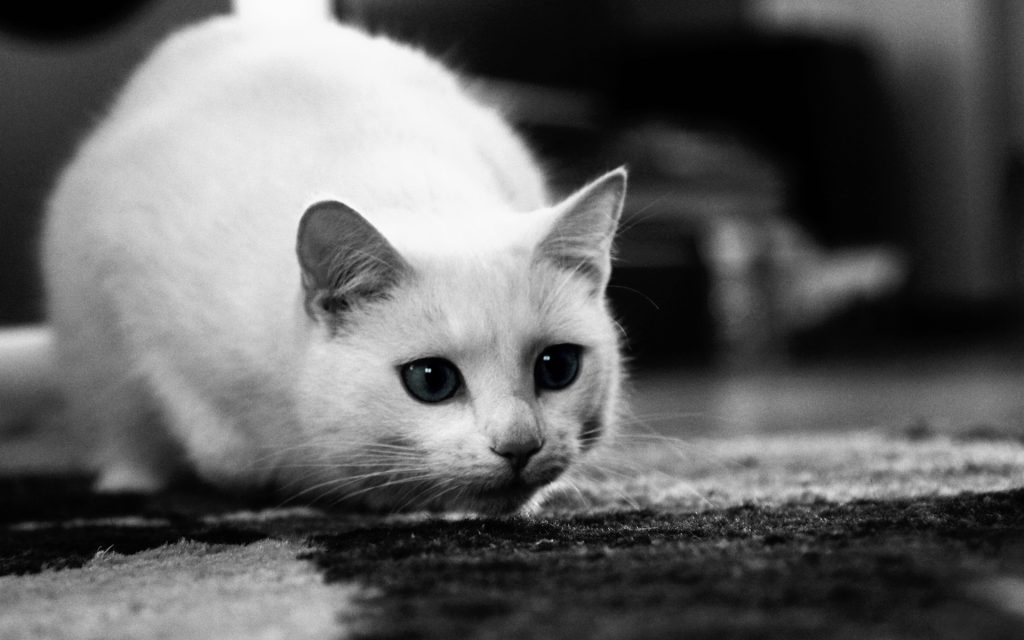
<point x="344" y="259"/>
<point x="581" y="238"/>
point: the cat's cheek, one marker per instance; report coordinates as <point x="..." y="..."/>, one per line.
<point x="449" y="437"/>
<point x="345" y="395"/>
<point x="575" y="417"/>
<point x="601" y="402"/>
<point x="459" y="453"/>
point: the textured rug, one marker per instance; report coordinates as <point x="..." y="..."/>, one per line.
<point x="862" y="535"/>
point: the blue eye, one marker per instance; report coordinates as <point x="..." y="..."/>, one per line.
<point x="557" y="366"/>
<point x="430" y="379"/>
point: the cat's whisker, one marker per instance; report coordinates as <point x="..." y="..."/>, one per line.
<point x="331" y="441"/>
<point x="564" y="486"/>
<point x="637" y="292"/>
<point x="356" y="251"/>
<point x="275" y="454"/>
<point x="351" y="464"/>
<point x="351" y="479"/>
<point x="608" y="471"/>
<point x="621" y="329"/>
<point x="378" y="470"/>
<point x="445" y="489"/>
<point x="678" y="482"/>
<point x="641" y="433"/>
<point x="361" y="451"/>
<point x="405" y="489"/>
<point x="344" y="496"/>
<point x="567" y="278"/>
<point x="343" y="456"/>
<point x="342" y="459"/>
<point x="643" y="214"/>
<point x="640" y="419"/>
<point x="360" y="447"/>
<point x="382" y="466"/>
<point x="621" y="493"/>
<point x="684" y="451"/>
<point x="631" y="467"/>
<point x="433" y="490"/>
<point x="331" y="487"/>
<point x="315" y="306"/>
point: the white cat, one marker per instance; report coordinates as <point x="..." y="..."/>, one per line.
<point x="300" y="256"/>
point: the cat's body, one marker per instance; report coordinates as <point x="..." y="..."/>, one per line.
<point x="195" y="332"/>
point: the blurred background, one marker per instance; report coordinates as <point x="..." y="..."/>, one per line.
<point x="824" y="228"/>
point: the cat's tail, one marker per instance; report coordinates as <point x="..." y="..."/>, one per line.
<point x="27" y="376"/>
<point x="283" y="10"/>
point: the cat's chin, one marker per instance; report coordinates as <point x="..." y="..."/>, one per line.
<point x="502" y="500"/>
<point x="505" y="497"/>
<point x="495" y="495"/>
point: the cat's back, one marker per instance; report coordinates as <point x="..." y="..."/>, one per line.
<point x="237" y="115"/>
<point x="228" y="67"/>
<point x="183" y="205"/>
<point x="317" y="107"/>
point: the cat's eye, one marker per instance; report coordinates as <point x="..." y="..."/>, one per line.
<point x="430" y="379"/>
<point x="557" y="366"/>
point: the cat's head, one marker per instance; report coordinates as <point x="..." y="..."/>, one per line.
<point x="461" y="379"/>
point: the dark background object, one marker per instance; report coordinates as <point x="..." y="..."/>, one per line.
<point x="44" y="22"/>
<point x="856" y="159"/>
<point x="815" y="105"/>
<point x="57" y="77"/>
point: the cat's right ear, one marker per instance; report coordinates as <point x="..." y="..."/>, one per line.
<point x="344" y="259"/>
<point x="581" y="239"/>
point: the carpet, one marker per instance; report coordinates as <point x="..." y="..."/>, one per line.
<point x="865" y="534"/>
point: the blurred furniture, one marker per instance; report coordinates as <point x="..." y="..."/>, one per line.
<point x="751" y="154"/>
<point x="738" y="141"/>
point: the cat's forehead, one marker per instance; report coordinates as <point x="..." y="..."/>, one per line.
<point x="499" y="303"/>
<point x="466" y="233"/>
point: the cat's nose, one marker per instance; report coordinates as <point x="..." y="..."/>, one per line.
<point x="518" y="451"/>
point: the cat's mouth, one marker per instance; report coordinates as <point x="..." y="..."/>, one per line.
<point x="504" y="499"/>
<point x="509" y="496"/>
<point x="514" y="488"/>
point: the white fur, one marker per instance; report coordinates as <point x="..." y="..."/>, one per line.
<point x="26" y="374"/>
<point x="176" y="297"/>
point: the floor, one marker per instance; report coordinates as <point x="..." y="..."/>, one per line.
<point x="952" y="390"/>
<point x="948" y="390"/>
<point x="809" y="542"/>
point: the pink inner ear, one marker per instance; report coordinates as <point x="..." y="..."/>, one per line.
<point x="342" y="255"/>
<point x="581" y="237"/>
